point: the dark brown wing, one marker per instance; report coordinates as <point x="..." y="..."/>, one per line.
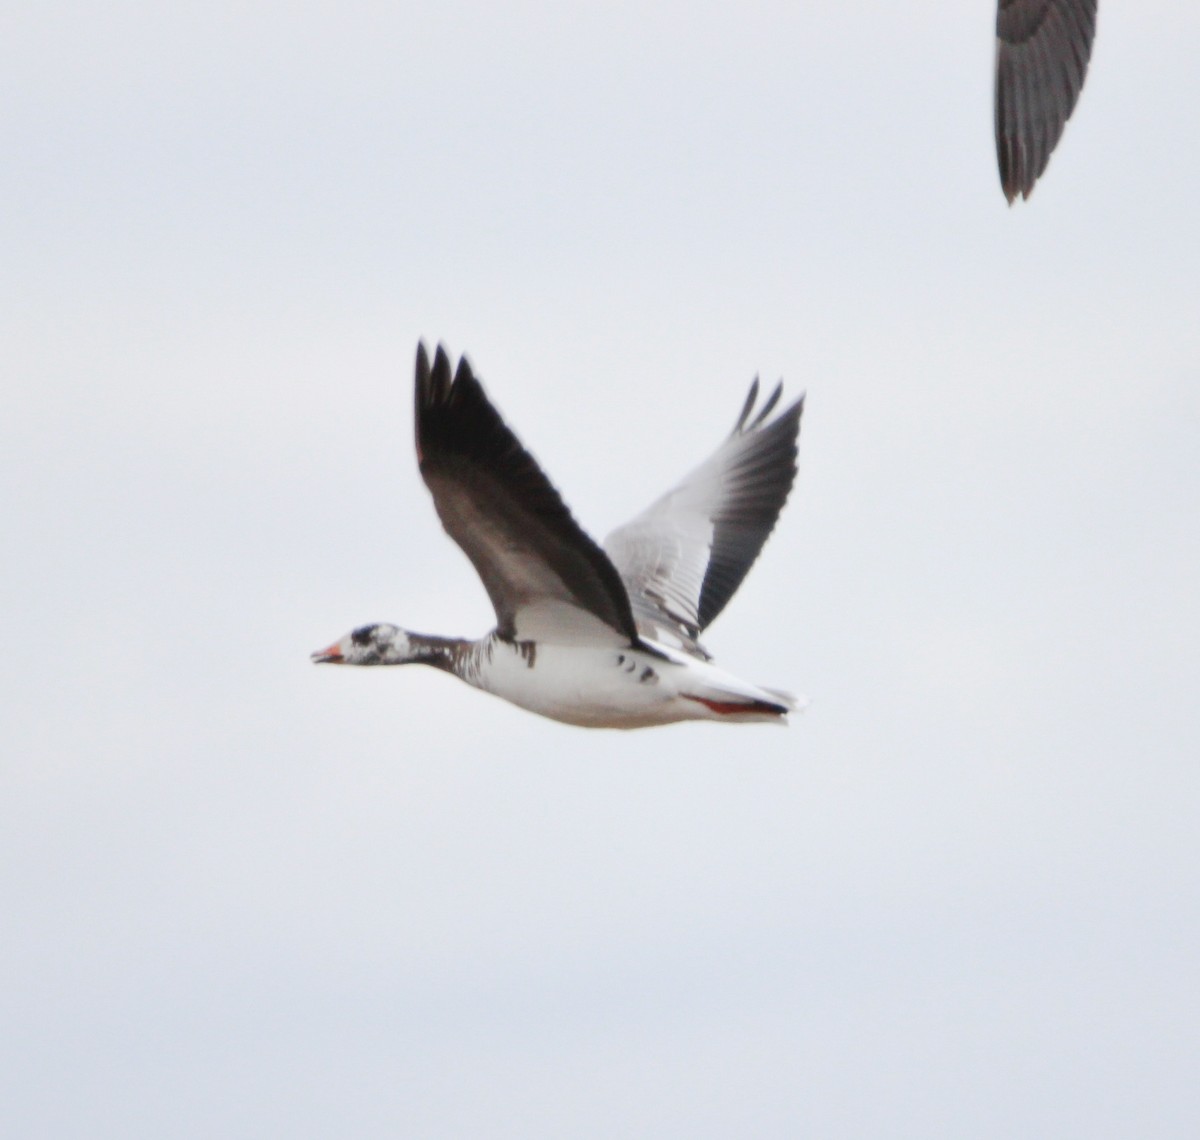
<point x="546" y="578"/>
<point x="1042" y="53"/>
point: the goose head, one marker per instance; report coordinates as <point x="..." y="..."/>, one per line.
<point x="379" y="644"/>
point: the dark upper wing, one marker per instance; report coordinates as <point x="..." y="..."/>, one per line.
<point x="1042" y="52"/>
<point x="684" y="557"/>
<point x="545" y="577"/>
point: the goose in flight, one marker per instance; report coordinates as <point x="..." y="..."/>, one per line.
<point x="604" y="637"/>
<point x="1042" y="53"/>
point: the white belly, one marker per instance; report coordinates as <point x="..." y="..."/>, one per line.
<point x="608" y="688"/>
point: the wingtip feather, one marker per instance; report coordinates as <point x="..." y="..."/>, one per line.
<point x="747" y="407"/>
<point x="769" y="406"/>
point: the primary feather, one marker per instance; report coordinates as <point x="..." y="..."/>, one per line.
<point x="684" y="557"/>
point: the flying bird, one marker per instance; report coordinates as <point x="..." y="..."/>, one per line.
<point x="1042" y="53"/>
<point x="603" y="637"/>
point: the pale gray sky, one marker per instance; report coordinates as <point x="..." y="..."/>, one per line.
<point x="247" y="897"/>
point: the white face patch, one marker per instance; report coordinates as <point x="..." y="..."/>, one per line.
<point x="380" y="644"/>
<point x="393" y="643"/>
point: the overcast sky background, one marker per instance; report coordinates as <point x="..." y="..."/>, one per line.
<point x="246" y="897"/>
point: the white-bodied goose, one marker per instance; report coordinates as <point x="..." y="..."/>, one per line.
<point x="1042" y="53"/>
<point x="590" y="636"/>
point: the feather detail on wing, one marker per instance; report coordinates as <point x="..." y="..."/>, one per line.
<point x="546" y="578"/>
<point x="683" y="558"/>
<point x="1042" y="53"/>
